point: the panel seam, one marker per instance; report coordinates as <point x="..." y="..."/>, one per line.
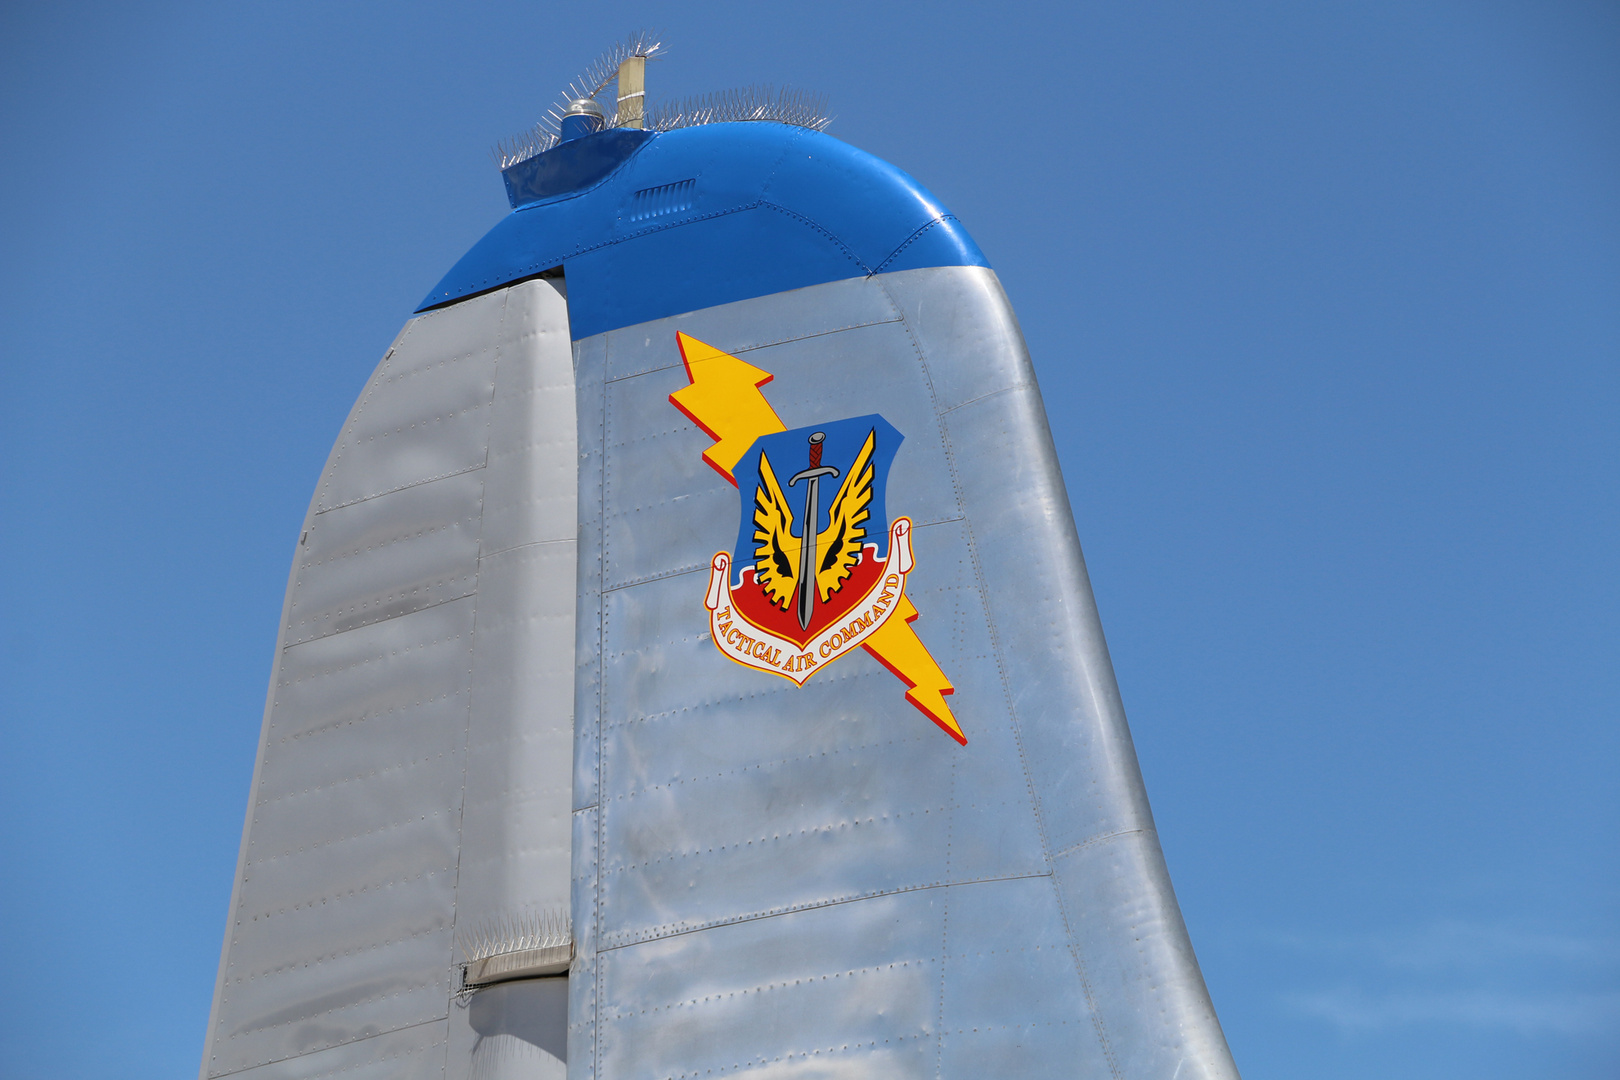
<point x="472" y="655"/>
<point x="378" y="622"/>
<point x="990" y="394"/>
<point x="528" y="544"/>
<point x="908" y="241"/>
<point x="407" y="487"/>
<point x="1103" y="839"/>
<point x="822" y="906"/>
<point x="764" y="344"/>
<point x="350" y="1042"/>
<point x="600" y="733"/>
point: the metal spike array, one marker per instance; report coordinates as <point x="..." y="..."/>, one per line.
<point x="514" y="933"/>
<point x="785" y="105"/>
<point x="589" y="84"/>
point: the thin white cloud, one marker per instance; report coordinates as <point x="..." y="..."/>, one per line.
<point x="1486" y="976"/>
<point x="1452" y="944"/>
<point x="1353" y="1010"/>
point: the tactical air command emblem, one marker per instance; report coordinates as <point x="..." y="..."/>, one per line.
<point x="818" y="568"/>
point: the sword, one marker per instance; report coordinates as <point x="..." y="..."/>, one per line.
<point x="805" y="597"/>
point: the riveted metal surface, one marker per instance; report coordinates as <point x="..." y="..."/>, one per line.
<point x="375" y="560"/>
<point x="590" y="359"/>
<point x="760" y="852"/>
<point x="351" y="707"/>
<point x="780" y="317"/>
<point x="343" y="919"/>
<point x="713" y="819"/>
<point x="425" y="413"/>
<point x="515" y="835"/>
<point x="1150" y="998"/>
<point x="1062" y="683"/>
<point x="412" y="1053"/>
<point x="411" y="703"/>
<point x="965" y="315"/>
<point x="582" y="981"/>
<point x="837" y="991"/>
<point x="1001" y="940"/>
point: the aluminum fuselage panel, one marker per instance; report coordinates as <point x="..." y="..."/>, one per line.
<point x="776" y="879"/>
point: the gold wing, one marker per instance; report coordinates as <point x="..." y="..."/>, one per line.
<point x="776" y="548"/>
<point x="838" y="546"/>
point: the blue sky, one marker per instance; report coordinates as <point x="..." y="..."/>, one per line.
<point x="1325" y="303"/>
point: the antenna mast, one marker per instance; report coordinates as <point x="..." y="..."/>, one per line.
<point x="633" y="91"/>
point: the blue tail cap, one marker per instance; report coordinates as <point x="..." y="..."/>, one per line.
<point x="648" y="225"/>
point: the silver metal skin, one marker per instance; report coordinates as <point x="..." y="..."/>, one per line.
<point x="498" y="728"/>
<point x="776" y="880"/>
<point x="410" y="804"/>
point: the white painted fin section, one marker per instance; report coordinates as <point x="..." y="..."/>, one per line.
<point x="409" y="814"/>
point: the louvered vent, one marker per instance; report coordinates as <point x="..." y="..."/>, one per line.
<point x="663" y="200"/>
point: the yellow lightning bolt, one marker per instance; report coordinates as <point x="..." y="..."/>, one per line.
<point x="723" y="398"/>
<point x="896" y="646"/>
